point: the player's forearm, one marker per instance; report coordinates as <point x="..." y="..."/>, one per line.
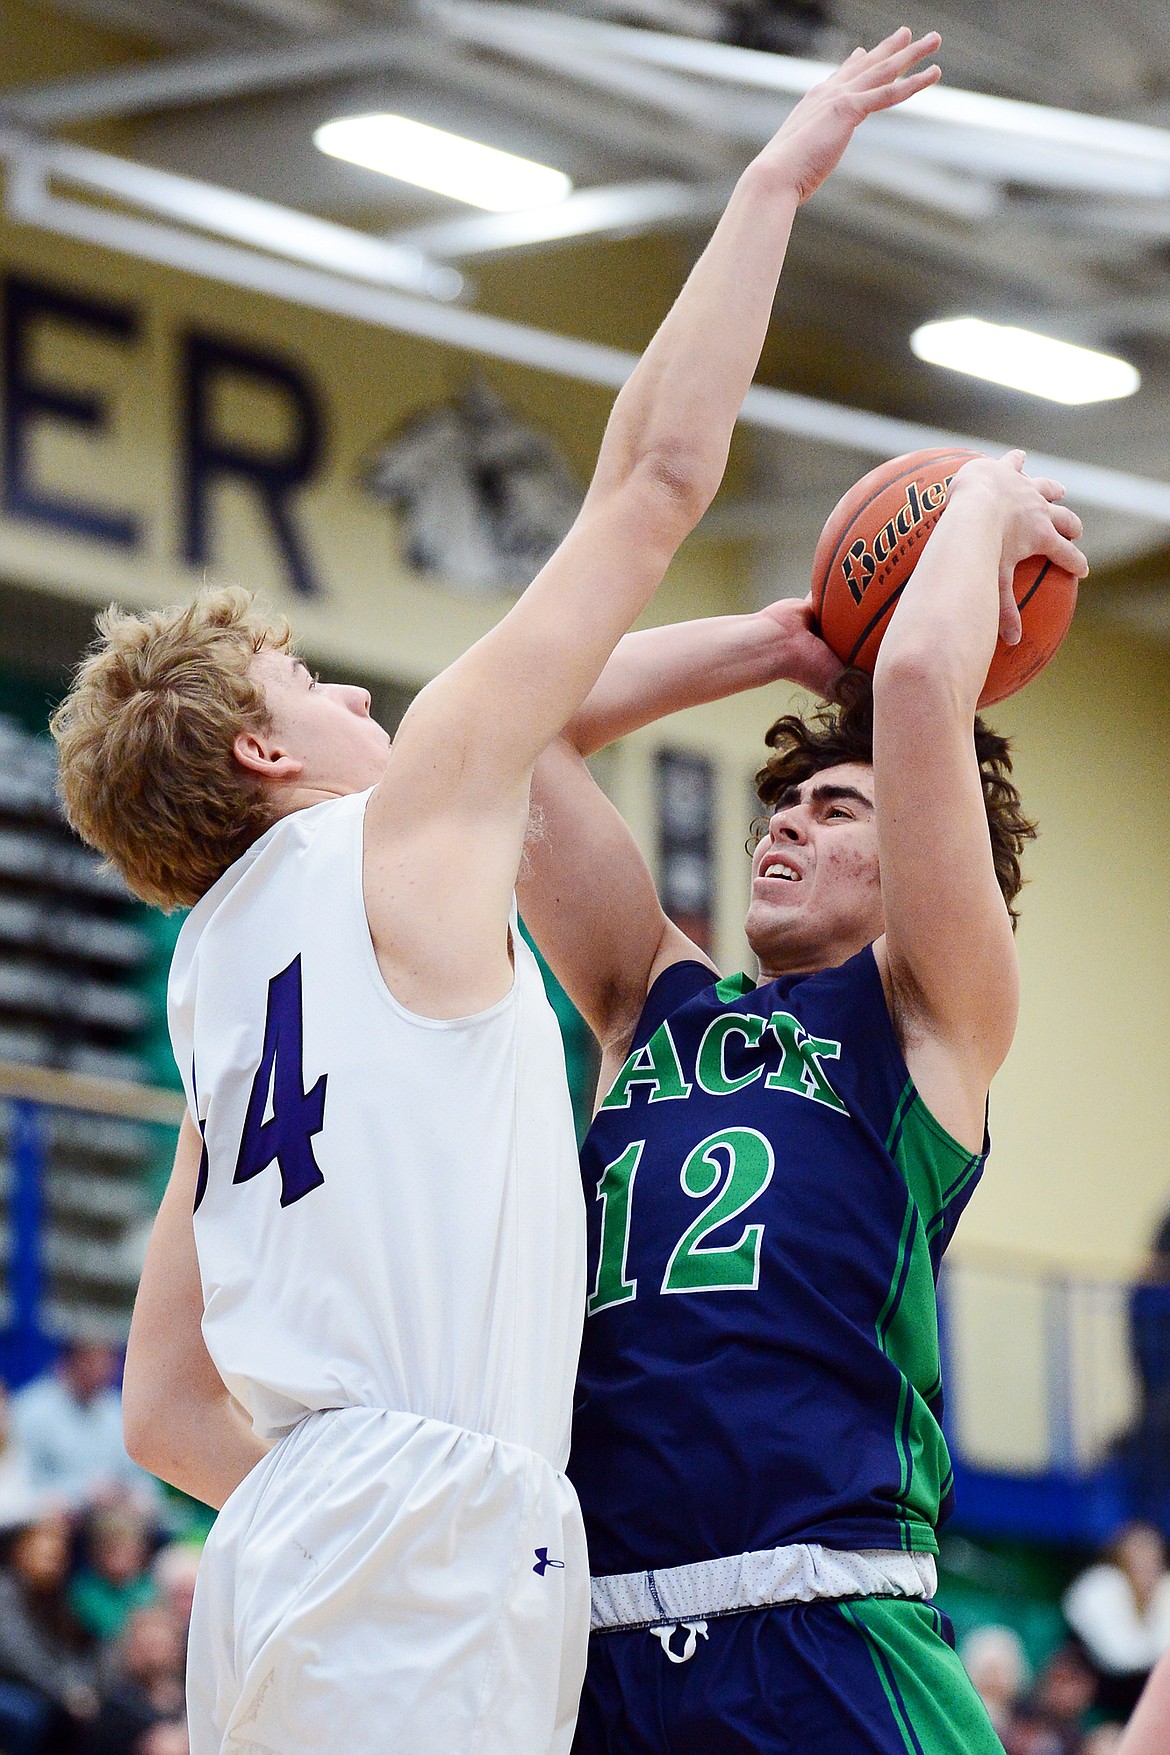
<point x="1148" y="1731"/>
<point x="942" y="634"/>
<point x="676" y="413"/>
<point x="659" y="671"/>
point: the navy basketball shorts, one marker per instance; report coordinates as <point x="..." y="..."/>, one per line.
<point x="873" y="1676"/>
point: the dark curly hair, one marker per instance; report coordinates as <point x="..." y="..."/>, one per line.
<point x="842" y="731"/>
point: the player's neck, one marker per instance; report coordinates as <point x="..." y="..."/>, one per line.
<point x="303" y="795"/>
<point x="777" y="961"/>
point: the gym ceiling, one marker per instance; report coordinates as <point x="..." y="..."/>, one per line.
<point x="1021" y="215"/>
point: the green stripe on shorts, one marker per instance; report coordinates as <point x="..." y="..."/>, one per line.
<point x="930" y="1697"/>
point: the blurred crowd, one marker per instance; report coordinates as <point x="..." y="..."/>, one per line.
<point x="95" y="1599"/>
<point x="95" y="1592"/>
<point x="1117" y="1616"/>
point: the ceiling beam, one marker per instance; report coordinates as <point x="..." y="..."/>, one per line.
<point x="172" y="83"/>
<point x="304" y="17"/>
<point x="695" y="83"/>
<point x="447" y="325"/>
<point x="1002" y="137"/>
<point x="615" y="211"/>
<point x="262" y="225"/>
<point x="184" y="81"/>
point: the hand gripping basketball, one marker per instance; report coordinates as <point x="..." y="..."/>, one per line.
<point x="871" y="543"/>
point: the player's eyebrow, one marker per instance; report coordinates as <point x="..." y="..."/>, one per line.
<point x="826" y="793"/>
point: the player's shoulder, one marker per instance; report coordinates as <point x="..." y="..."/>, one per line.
<point x="673" y="989"/>
<point x="304" y="846"/>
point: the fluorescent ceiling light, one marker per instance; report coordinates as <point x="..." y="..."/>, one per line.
<point x="430" y="158"/>
<point x="1025" y="361"/>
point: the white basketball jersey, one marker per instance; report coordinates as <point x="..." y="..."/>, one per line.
<point x="390" y="1212"/>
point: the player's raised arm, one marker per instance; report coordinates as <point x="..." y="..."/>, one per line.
<point x="445" y="826"/>
<point x="949" y="957"/>
<point x="486" y="719"/>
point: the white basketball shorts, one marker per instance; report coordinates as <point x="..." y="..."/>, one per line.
<point x="386" y="1583"/>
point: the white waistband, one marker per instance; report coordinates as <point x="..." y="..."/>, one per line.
<point x="798" y="1574"/>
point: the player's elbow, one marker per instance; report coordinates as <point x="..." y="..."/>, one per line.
<point x="153" y="1411"/>
<point x="142" y="1436"/>
<point x="919" y="672"/>
<point x="145" y="1423"/>
<point x="677" y="482"/>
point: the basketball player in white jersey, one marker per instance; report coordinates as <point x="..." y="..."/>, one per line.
<point x="360" y="1312"/>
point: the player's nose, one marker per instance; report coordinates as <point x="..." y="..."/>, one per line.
<point x="787" y="824"/>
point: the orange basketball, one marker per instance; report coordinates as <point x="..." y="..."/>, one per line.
<point x="870" y="546"/>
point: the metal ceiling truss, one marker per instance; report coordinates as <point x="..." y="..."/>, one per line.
<point x="923" y="152"/>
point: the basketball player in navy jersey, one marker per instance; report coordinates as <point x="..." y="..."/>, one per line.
<point x="776" y="1167"/>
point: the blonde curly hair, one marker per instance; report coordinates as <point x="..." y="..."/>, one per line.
<point x="145" y="738"/>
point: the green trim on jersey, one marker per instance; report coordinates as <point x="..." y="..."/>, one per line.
<point x="930" y="1696"/>
<point x="936" y="1168"/>
<point x="733" y="987"/>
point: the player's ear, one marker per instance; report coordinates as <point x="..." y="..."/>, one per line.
<point x="265" y="758"/>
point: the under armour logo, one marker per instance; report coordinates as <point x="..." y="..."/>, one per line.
<point x="695" y="1630"/>
<point x="543" y="1562"/>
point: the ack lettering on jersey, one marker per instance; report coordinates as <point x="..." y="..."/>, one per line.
<point x="296" y="1114"/>
<point x="658" y="1066"/>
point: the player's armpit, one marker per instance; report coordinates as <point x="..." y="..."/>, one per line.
<point x="179" y="1421"/>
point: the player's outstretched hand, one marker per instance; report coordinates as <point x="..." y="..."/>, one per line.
<point x="800" y="655"/>
<point x="1033" y="522"/>
<point x="821" y="126"/>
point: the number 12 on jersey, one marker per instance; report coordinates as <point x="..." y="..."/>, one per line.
<point x="735" y="1166"/>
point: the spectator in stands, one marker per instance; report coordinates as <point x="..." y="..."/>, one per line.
<point x="1101" y="1740"/>
<point x="994" y="1659"/>
<point x="1119" y="1612"/>
<point x="48" y="1676"/>
<point x="146" y="1684"/>
<point x="1147" y="1449"/>
<point x="167" y="1737"/>
<point x="113" y="1579"/>
<point x="1052" y="1718"/>
<point x="18" y="1497"/>
<point x="70" y="1424"/>
<point x="173" y="1574"/>
<point x="1029" y="1737"/>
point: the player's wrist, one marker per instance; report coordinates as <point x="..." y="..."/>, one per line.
<point x="772" y="178"/>
<point x="770" y="636"/>
<point x="976" y="491"/>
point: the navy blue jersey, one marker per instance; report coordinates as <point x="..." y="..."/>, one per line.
<point x="769" y="1200"/>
